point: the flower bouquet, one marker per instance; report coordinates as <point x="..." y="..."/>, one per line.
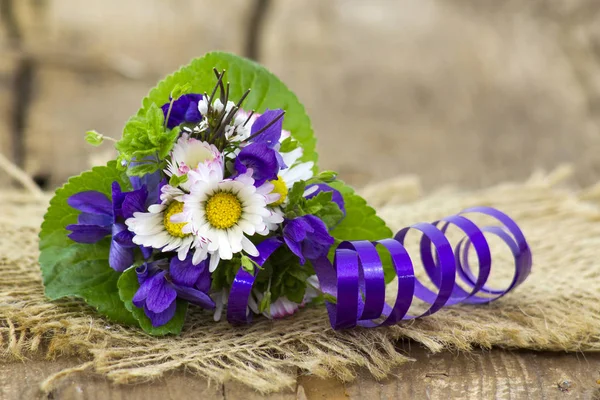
<point x="215" y="200"/>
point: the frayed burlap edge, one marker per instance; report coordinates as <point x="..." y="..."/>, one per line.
<point x="556" y="309"/>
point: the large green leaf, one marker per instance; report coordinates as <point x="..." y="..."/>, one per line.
<point x="362" y="223"/>
<point x="128" y="285"/>
<point x="267" y="92"/>
<point x="81" y="270"/>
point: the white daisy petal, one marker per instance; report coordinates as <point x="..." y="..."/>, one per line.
<point x="249" y="247"/>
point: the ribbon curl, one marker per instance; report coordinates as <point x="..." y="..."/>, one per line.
<point x="356" y="277"/>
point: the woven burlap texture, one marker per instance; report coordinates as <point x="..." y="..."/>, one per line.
<point x="556" y="309"/>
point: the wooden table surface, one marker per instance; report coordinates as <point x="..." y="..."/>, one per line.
<point x="496" y="374"/>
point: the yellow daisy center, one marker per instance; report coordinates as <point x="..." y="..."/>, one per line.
<point x="281" y="189"/>
<point x="223" y="210"/>
<point x="174" y="229"/>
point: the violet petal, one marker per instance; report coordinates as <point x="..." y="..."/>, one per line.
<point x="272" y="134"/>
<point x="161" y="318"/>
<point x="161" y="293"/>
<point x="120" y="257"/>
<point x="195" y="296"/>
<point x="185" y="272"/>
<point x="122" y="235"/>
<point x="134" y="201"/>
<point x="94" y="219"/>
<point x="91" y="202"/>
<point x="87" y="233"/>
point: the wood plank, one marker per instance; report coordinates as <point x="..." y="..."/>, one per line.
<point x="478" y="375"/>
<point x="483" y="375"/>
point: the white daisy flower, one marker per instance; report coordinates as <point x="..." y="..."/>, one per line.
<point x="156" y="228"/>
<point x="188" y="153"/>
<point x="226" y="212"/>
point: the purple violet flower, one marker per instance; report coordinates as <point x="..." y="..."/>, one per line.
<point x="101" y="217"/>
<point x="307" y="237"/>
<point x="185" y="109"/>
<point x="261" y="159"/>
<point x="159" y="289"/>
<point x="260" y="155"/>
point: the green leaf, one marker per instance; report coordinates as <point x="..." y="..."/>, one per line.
<point x="315" y="204"/>
<point x="330" y="214"/>
<point x="329" y="298"/>
<point x="180" y="90"/>
<point x="288" y="145"/>
<point x="177" y="180"/>
<point x="75" y="269"/>
<point x="323" y="177"/>
<point x="145" y="135"/>
<point x="265" y="302"/>
<point x="362" y="223"/>
<point x="143" y="169"/>
<point x="94" y="138"/>
<point x="247" y="264"/>
<point x="295" y="195"/>
<point x="267" y="92"/>
<point x="323" y="207"/>
<point x="128" y="285"/>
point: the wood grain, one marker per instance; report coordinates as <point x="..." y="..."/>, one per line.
<point x="497" y="374"/>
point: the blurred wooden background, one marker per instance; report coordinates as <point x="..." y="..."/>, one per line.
<point x="457" y="92"/>
<point x="467" y="92"/>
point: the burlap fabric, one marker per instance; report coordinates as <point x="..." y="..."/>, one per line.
<point x="556" y="309"/>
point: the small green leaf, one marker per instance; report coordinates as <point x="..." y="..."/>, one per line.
<point x="288" y="145"/>
<point x="295" y="291"/>
<point x="247" y="264"/>
<point x="330" y="214"/>
<point x="143" y="169"/>
<point x="76" y="269"/>
<point x="155" y="120"/>
<point x="315" y="204"/>
<point x="94" y="138"/>
<point x="265" y="302"/>
<point x="331" y="299"/>
<point x="177" y="180"/>
<point x="180" y="90"/>
<point x="128" y="285"/>
<point x="320" y="206"/>
<point x="295" y="195"/>
<point x="323" y="177"/>
<point x="145" y="137"/>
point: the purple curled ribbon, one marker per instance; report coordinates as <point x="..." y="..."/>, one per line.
<point x="356" y="277"/>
